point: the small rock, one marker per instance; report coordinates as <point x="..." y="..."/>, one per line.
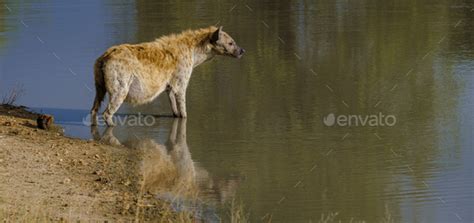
<point x="44" y="121"/>
<point x="125" y="208"/>
<point x="66" y="181"/>
<point x="103" y="180"/>
<point x="7" y="123"/>
<point x="98" y="172"/>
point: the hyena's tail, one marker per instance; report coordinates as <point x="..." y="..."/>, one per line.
<point x="99" y="88"/>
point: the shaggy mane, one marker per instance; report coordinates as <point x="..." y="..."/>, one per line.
<point x="190" y="37"/>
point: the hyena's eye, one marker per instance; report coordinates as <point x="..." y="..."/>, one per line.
<point x="231" y="43"/>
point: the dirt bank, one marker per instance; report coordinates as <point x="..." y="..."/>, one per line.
<point x="45" y="175"/>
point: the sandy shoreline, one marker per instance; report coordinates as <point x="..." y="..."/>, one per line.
<point x="49" y="176"/>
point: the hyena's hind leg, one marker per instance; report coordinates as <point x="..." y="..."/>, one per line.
<point x="100" y="90"/>
<point x="99" y="97"/>
<point x="118" y="85"/>
<point x="116" y="99"/>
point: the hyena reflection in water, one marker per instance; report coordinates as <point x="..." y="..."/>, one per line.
<point x="168" y="169"/>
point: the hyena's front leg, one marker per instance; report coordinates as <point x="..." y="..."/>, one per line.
<point x="181" y="99"/>
<point x="173" y="103"/>
<point x="178" y="85"/>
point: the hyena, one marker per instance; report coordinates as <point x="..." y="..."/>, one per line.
<point x="138" y="73"/>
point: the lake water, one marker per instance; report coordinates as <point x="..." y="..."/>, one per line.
<point x="256" y="132"/>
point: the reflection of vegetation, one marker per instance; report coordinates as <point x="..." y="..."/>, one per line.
<point x="359" y="49"/>
<point x="5" y="23"/>
<point x="2" y="26"/>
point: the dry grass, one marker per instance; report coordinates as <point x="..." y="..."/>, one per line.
<point x="25" y="214"/>
<point x="332" y="217"/>
<point x="388" y="218"/>
<point x="15" y="93"/>
<point x="40" y="215"/>
<point x="162" y="212"/>
<point x="237" y="213"/>
<point x="327" y="218"/>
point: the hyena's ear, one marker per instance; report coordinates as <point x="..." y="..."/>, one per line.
<point x="215" y="35"/>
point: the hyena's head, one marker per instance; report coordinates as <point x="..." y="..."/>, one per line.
<point x="223" y="44"/>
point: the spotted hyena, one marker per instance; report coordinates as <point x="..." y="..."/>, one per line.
<point x="138" y="73"/>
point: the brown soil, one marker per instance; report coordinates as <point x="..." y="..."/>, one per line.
<point x="44" y="173"/>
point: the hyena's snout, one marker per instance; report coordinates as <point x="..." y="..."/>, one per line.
<point x="239" y="52"/>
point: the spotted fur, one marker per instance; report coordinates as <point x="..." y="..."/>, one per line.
<point x="138" y="73"/>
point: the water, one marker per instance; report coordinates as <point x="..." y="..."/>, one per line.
<point x="255" y="131"/>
